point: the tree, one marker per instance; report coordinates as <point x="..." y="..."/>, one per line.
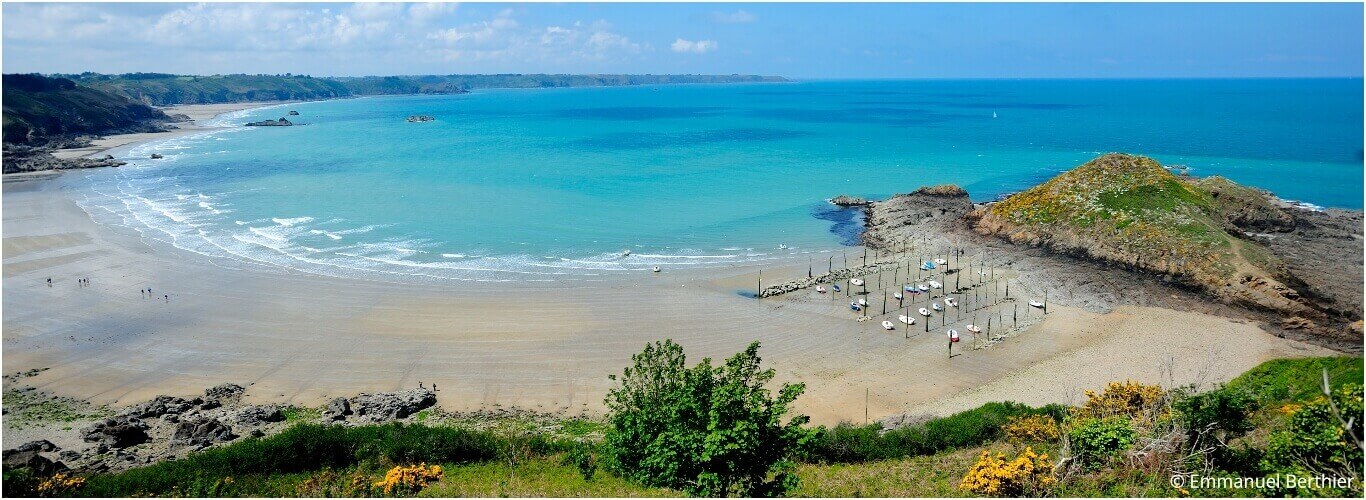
<point x="710" y="431"/>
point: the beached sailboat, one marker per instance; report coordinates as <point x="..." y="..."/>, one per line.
<point x="924" y="312"/>
<point x="941" y="261"/>
<point x="927" y="266"/>
<point x="973" y="328"/>
<point x="936" y="284"/>
<point x="923" y="287"/>
<point x="655" y="269"/>
<point x="906" y="319"/>
<point x="936" y="306"/>
<point x="835" y="287"/>
<point x="1035" y="303"/>
<point x="898" y="296"/>
<point x="862" y="303"/>
<point x="950" y="301"/>
<point x="887" y="325"/>
<point x="856" y="282"/>
<point x="820" y="289"/>
<point x="854" y="306"/>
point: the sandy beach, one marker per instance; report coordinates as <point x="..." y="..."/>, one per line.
<point x="197" y="113"/>
<point x="299" y="338"/>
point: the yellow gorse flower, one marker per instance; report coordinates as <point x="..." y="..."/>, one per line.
<point x="998" y="476"/>
<point x="410" y="478"/>
<point x="59" y="484"/>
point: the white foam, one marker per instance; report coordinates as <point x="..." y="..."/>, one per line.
<point x="292" y="221"/>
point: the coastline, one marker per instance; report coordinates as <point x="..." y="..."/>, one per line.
<point x="198" y="113"/>
<point x="281" y="333"/>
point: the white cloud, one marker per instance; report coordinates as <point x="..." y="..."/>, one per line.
<point x="698" y="47"/>
<point x="264" y="37"/>
<point x="737" y="17"/>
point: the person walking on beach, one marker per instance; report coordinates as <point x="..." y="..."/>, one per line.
<point x="49" y="282"/>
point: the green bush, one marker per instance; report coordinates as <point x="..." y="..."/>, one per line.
<point x="710" y="431"/>
<point x="846" y="443"/>
<point x="1317" y="444"/>
<point x="584" y="458"/>
<point x="1095" y="440"/>
<point x="1215" y="416"/>
<point x="1299" y="379"/>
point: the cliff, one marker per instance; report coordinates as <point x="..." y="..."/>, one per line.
<point x="39" y="110"/>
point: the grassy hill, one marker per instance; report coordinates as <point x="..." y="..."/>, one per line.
<point x="1129" y="210"/>
<point x="38" y="108"/>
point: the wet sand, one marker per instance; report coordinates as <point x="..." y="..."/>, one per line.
<point x="299" y="338"/>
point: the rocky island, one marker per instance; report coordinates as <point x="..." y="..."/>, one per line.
<point x="271" y="123"/>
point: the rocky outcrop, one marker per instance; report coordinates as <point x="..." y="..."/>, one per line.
<point x="293" y="113"/>
<point x="387" y="406"/>
<point x="159" y="406"/>
<point x="934" y="211"/>
<point x="201" y="432"/>
<point x="224" y="393"/>
<point x="1129" y="211"/>
<point x="18" y="158"/>
<point x="32" y="460"/>
<point x="157" y="156"/>
<point x="282" y="122"/>
<point x="845" y="200"/>
<point x="337" y="409"/>
<point x="117" y="432"/>
<point x="420" y="118"/>
<point x="255" y="416"/>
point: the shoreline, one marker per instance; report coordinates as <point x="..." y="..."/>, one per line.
<point x="198" y="113"/>
<point x="281" y="334"/>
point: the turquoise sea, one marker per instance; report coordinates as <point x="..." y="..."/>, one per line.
<point x="554" y="184"/>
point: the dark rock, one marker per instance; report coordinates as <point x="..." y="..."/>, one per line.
<point x="202" y="432"/>
<point x="253" y="416"/>
<point x="116" y="432"/>
<point x="40" y="465"/>
<point x="293" y="113"/>
<point x="420" y="118"/>
<point x="69" y="455"/>
<point x="845" y="200"/>
<point x="157" y="156"/>
<point x="337" y="409"/>
<point x="161" y="405"/>
<point x="258" y="433"/>
<point x="224" y="392"/>
<point x="39" y="445"/>
<point x="271" y="123"/>
<point x="392" y="405"/>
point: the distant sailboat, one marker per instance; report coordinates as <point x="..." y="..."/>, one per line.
<point x="993" y="114"/>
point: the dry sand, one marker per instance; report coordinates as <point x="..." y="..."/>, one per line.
<point x="196" y="112"/>
<point x="299" y="338"/>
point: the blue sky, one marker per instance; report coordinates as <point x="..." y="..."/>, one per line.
<point x="794" y="40"/>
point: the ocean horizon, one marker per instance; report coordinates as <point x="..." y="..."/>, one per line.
<point x="560" y="184"/>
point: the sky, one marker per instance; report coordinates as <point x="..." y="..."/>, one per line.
<point x="794" y="40"/>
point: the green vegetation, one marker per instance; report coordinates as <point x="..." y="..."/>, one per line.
<point x="708" y="430"/>
<point x="1096" y="440"/>
<point x="38" y="109"/>
<point x="1131" y="211"/>
<point x="24" y="408"/>
<point x="1124" y="441"/>
<point x="1287" y="380"/>
<point x="846" y="443"/>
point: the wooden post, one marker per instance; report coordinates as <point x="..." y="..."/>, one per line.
<point x="760" y="293"/>
<point x="884" y="302"/>
<point x="810" y="265"/>
<point x="1015" y="318"/>
<point x="1045" y="302"/>
<point x="865" y="406"/>
<point x="830" y="265"/>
